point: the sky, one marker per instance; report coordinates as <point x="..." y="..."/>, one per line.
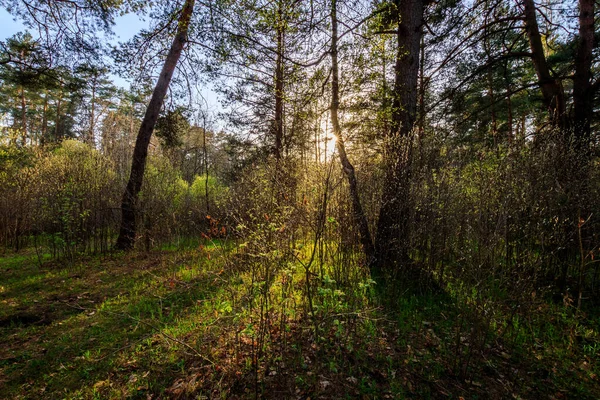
<point x="8" y="26"/>
<point x="125" y="28"/>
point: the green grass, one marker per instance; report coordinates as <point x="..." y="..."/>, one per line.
<point x="73" y="328"/>
<point x="200" y="321"/>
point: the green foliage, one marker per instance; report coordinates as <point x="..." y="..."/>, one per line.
<point x="173" y="208"/>
<point x="170" y="128"/>
<point x="67" y="200"/>
<point x="73" y="186"/>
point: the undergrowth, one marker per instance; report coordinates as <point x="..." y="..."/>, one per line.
<point x="218" y="320"/>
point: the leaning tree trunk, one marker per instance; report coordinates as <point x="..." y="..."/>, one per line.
<point x="127" y="233"/>
<point x="393" y="227"/>
<point x="358" y="215"/>
<point x="552" y="91"/>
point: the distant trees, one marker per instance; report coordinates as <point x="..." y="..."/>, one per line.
<point x="98" y="95"/>
<point x="22" y="82"/>
<point x="523" y="51"/>
<point x="46" y="103"/>
<point x="577" y="50"/>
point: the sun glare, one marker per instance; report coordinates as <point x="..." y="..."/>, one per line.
<point x="326" y="142"/>
<point x="328" y="146"/>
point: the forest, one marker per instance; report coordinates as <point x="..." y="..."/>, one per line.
<point x="300" y="199"/>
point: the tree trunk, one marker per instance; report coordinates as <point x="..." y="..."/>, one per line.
<point x="393" y="234"/>
<point x="90" y="138"/>
<point x="582" y="90"/>
<point x="44" y="119"/>
<point x="422" y="92"/>
<point x="552" y="91"/>
<point x="490" y="79"/>
<point x="205" y="160"/>
<point x="127" y="232"/>
<point x="358" y="214"/>
<point x="57" y="130"/>
<point x="509" y="122"/>
<point x="23" y="117"/>
<point x="278" y="126"/>
<point x="492" y="96"/>
<point x="583" y="111"/>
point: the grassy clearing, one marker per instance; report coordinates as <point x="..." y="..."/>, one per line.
<point x="199" y="322"/>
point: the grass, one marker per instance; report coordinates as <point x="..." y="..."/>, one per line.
<point x="90" y="323"/>
<point x="208" y="321"/>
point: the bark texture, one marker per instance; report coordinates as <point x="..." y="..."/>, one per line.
<point x="552" y="90"/>
<point x="127" y="232"/>
<point x="393" y="235"/>
<point x="582" y="82"/>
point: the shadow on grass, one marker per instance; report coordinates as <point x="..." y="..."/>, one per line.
<point x="133" y="326"/>
<point x="448" y="344"/>
<point x="67" y="330"/>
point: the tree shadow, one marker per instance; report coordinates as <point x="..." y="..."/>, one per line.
<point x="89" y="321"/>
<point x="450" y="344"/>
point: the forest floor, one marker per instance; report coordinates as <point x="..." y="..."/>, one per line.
<point x="189" y="324"/>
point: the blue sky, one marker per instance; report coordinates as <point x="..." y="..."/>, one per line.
<point x="8" y="26"/>
<point x="125" y="28"/>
